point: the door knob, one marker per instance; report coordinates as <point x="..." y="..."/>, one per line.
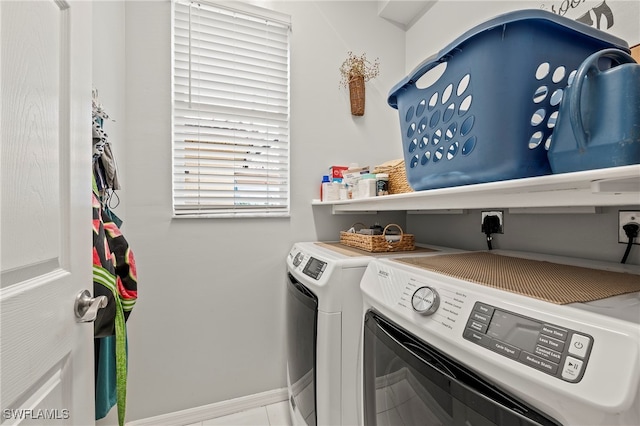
<point x="86" y="307"/>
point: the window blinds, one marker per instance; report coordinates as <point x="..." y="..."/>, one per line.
<point x="230" y="112"/>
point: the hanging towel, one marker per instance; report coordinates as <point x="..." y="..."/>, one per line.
<point x="115" y="276"/>
<point x="105" y="375"/>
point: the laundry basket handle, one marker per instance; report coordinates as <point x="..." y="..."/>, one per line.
<point x="589" y="69"/>
<point x="425" y="66"/>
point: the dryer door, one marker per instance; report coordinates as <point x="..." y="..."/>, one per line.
<point x="302" y="326"/>
<point x="407" y="381"/>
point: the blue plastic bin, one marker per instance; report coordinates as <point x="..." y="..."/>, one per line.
<point x="490" y="114"/>
<point x="599" y="117"/>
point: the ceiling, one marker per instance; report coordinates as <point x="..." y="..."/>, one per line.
<point x="403" y="13"/>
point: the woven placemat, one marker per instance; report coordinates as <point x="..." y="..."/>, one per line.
<point x="551" y="282"/>
<point x="352" y="251"/>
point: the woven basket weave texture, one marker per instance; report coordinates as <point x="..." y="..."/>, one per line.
<point x="378" y="243"/>
<point x="398" y="183"/>
<point x="356" y="95"/>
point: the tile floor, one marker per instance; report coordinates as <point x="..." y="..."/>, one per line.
<point x="400" y="404"/>
<point x="401" y="399"/>
<point x="271" y="415"/>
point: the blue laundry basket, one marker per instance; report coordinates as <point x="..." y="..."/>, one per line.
<point x="490" y="114"/>
<point x="599" y="117"/>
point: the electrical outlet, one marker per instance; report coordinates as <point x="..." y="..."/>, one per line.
<point x="625" y="217"/>
<point x="498" y="213"/>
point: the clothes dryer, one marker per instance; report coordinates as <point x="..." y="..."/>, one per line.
<point x="499" y="337"/>
<point x="324" y="307"/>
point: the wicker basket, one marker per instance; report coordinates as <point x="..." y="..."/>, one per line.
<point x="398" y="183"/>
<point x="379" y="243"/>
<point x="356" y="95"/>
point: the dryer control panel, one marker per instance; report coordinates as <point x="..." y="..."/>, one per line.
<point x="557" y="351"/>
<point x="311" y="266"/>
<point x="314" y="268"/>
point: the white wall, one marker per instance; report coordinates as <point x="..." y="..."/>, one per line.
<point x="109" y="79"/>
<point x="448" y="19"/>
<point x="209" y="322"/>
<point x="592" y="236"/>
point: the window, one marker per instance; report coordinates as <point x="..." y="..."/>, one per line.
<point x="230" y="111"/>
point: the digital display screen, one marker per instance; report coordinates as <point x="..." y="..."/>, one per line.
<point x="515" y="330"/>
<point x="314" y="267"/>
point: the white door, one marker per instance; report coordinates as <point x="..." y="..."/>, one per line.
<point x="46" y="357"/>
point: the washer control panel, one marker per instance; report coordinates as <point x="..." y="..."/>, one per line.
<point x="557" y="351"/>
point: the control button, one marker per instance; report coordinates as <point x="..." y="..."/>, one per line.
<point x="550" y="342"/>
<point x="579" y="345"/>
<point x="504" y="349"/>
<point x="477" y="326"/>
<point x="480" y="317"/>
<point x="555" y="332"/>
<point x="484" y="309"/>
<point x="547" y="353"/>
<point x="479" y="338"/>
<point x="572" y="368"/>
<point x="539" y="363"/>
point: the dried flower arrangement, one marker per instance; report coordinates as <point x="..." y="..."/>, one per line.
<point x="358" y="66"/>
<point x="355" y="71"/>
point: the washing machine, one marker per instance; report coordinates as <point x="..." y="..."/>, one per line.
<point x="323" y="314"/>
<point x="500" y="338"/>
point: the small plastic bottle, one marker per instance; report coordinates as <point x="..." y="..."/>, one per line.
<point x="344" y="194"/>
<point x="323" y="186"/>
<point x="334" y="191"/>
<point x="382" y="184"/>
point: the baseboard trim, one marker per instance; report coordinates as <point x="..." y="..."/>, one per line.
<point x="210" y="411"/>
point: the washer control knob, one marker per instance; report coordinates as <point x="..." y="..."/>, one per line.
<point x="425" y="300"/>
<point x="298" y="258"/>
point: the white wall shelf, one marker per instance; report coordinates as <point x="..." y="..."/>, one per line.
<point x="616" y="186"/>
